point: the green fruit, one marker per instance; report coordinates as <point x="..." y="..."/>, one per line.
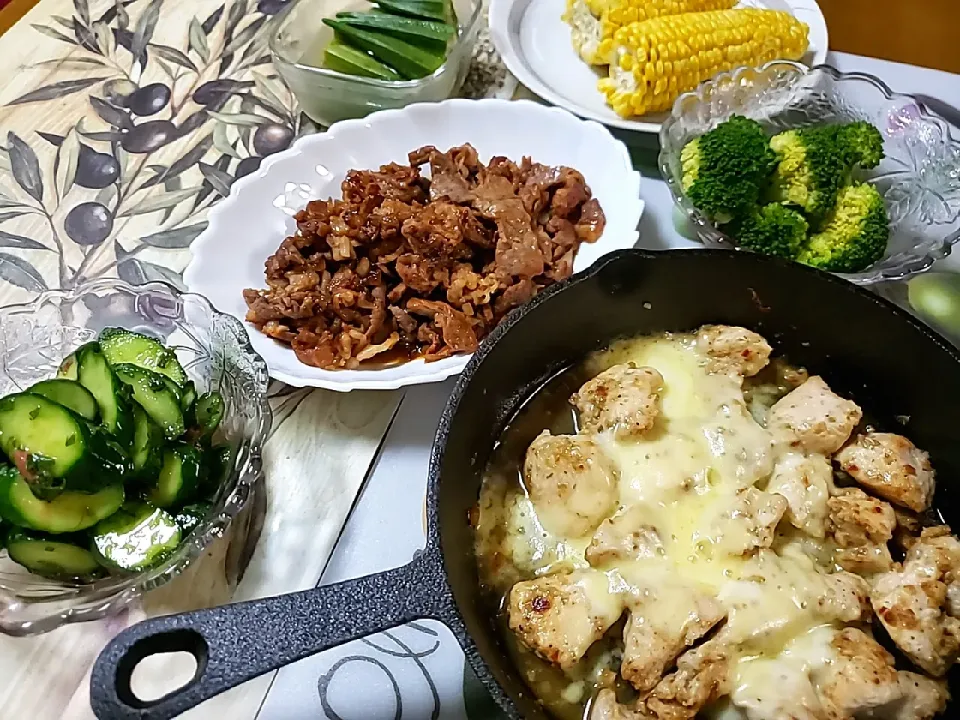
<point x="936" y="298"/>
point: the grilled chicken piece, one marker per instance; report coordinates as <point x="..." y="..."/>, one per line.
<point x="806" y="482"/>
<point x="733" y="350"/>
<point x="864" y="560"/>
<point x="845" y="597"/>
<point x="814" y="418"/>
<point x="606" y="707"/>
<point x="860" y="678"/>
<point x="856" y="519"/>
<point x="624" y="398"/>
<point x="560" y="616"/>
<point x="953" y="599"/>
<point x="907" y="531"/>
<point x="701" y="677"/>
<point x="862" y="682"/>
<point x="910" y="602"/>
<point x="923" y="698"/>
<point x="749" y="522"/>
<point x="624" y="537"/>
<point x="892" y="467"/>
<point x="653" y="638"/>
<point x="572" y="484"/>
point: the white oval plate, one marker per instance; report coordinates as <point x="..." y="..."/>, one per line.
<point x="535" y="45"/>
<point x="248" y="226"/>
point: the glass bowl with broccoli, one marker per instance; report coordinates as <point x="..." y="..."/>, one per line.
<point x="829" y="169"/>
<point x="132" y="420"/>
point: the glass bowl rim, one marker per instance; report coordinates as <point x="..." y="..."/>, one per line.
<point x="278" y="57"/>
<point x="113" y="593"/>
<point x="910" y="266"/>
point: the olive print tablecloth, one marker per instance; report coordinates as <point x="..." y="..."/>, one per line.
<point x="123" y="122"/>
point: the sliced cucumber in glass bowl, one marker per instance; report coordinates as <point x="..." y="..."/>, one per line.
<point x="113" y="427"/>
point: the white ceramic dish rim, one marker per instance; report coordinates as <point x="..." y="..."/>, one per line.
<point x="427" y="372"/>
<point x="513" y="58"/>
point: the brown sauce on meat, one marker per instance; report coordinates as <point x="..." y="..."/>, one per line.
<point x="421" y="260"/>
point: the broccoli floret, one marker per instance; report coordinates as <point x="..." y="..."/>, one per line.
<point x="814" y="163"/>
<point x="811" y="169"/>
<point x="854" y="235"/>
<point x="724" y="169"/>
<point x="772" y="230"/>
<point x="864" y="144"/>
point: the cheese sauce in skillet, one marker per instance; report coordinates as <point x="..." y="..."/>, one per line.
<point x="683" y="528"/>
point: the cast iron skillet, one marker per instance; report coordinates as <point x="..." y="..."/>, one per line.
<point x="863" y="346"/>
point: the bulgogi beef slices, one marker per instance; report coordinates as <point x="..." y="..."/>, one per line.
<point x="408" y="266"/>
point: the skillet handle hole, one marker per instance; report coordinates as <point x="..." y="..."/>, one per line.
<point x="161" y="666"/>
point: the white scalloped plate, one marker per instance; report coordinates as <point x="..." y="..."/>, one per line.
<point x="248" y="226"/>
<point x="535" y="45"/>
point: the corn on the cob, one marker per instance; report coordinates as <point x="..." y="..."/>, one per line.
<point x="594" y="22"/>
<point x="657" y="60"/>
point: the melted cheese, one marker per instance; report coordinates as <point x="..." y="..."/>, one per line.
<point x="682" y="478"/>
<point x="780" y="686"/>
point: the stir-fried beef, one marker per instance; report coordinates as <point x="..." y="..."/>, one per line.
<point x="411" y="265"/>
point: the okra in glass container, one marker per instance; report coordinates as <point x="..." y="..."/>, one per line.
<point x="348" y="58"/>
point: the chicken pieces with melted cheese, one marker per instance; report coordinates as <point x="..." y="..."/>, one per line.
<point x="560" y="616"/>
<point x="624" y="398"/>
<point x="571" y="483"/>
<point x="890" y="466"/>
<point x="773" y="533"/>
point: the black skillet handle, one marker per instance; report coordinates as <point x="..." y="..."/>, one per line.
<point x="236" y="643"/>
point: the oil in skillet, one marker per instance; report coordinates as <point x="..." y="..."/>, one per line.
<point x="548" y="408"/>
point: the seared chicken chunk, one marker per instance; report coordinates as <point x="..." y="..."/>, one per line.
<point x="733" y="350"/>
<point x="909" y="526"/>
<point x="953" y="599"/>
<point x="749" y="522"/>
<point x="861" y="676"/>
<point x="653" y="639"/>
<point x="910" y="602"/>
<point x="606" y="707"/>
<point x="922" y="699"/>
<point x="814" y="418"/>
<point x="861" y="526"/>
<point x="560" y="616"/>
<point x="624" y="537"/>
<point x="701" y="677"/>
<point x="806" y="482"/>
<point x="855" y="518"/>
<point x="865" y="559"/>
<point x="572" y="484"/>
<point x="892" y="467"/>
<point x="845" y="597"/>
<point x="624" y="398"/>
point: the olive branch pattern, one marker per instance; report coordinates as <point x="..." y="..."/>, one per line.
<point x="214" y="105"/>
